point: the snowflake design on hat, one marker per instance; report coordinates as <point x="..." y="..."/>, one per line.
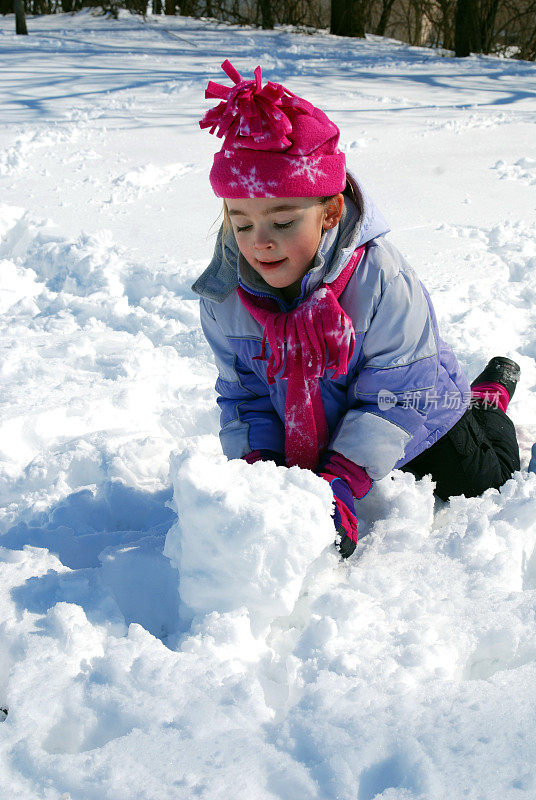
<point x="307" y="167"/>
<point x="252" y="182"/>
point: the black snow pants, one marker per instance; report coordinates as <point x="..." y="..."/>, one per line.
<point x="478" y="453"/>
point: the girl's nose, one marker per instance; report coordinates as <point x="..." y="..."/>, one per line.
<point x="263" y="240"/>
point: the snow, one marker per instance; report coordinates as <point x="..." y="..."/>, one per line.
<point x="173" y="625"/>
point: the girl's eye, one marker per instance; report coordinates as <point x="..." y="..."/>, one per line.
<point x="279" y="225"/>
<point x="283" y="225"/>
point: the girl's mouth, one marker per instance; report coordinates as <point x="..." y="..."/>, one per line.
<point x="271" y="264"/>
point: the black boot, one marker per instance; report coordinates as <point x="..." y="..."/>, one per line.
<point x="500" y="370"/>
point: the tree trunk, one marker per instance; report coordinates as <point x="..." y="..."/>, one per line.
<point x="487" y="25"/>
<point x="186" y="8"/>
<point x="381" y="27"/>
<point x="446" y="24"/>
<point x="336" y="16"/>
<point x="348" y="18"/>
<point x="20" y="18"/>
<point x="66" y="6"/>
<point x="466" y="34"/>
<point x="267" y="17"/>
<point x="157" y="6"/>
<point x="417" y="34"/>
<point x="169" y="8"/>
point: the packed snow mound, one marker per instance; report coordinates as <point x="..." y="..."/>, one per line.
<point x="246" y="534"/>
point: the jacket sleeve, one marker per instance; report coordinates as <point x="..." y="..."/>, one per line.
<point x="389" y="393"/>
<point x="248" y="420"/>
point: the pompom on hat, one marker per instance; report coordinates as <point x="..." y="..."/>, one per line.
<point x="276" y="144"/>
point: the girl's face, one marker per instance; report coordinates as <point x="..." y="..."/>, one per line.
<point x="279" y="236"/>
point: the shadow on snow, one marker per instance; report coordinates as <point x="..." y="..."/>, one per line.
<point x="111" y="541"/>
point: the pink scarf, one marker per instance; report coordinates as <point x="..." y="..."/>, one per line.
<point x="304" y="343"/>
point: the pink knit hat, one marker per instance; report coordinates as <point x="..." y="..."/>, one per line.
<point x="276" y="144"/>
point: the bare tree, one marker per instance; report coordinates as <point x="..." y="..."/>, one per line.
<point x="441" y="17"/>
<point x="386" y="8"/>
<point x="487" y="14"/>
<point x="466" y="28"/>
<point x="187" y="7"/>
<point x="20" y="18"/>
<point x="267" y="17"/>
<point x="516" y="27"/>
<point x="348" y="17"/>
<point x="476" y="26"/>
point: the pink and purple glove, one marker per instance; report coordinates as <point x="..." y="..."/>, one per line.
<point x="347" y="480"/>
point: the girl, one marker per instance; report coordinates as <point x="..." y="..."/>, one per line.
<point x="326" y="343"/>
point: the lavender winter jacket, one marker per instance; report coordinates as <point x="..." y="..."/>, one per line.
<point x="404" y="388"/>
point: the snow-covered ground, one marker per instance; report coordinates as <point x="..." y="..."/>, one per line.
<point x="278" y="672"/>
